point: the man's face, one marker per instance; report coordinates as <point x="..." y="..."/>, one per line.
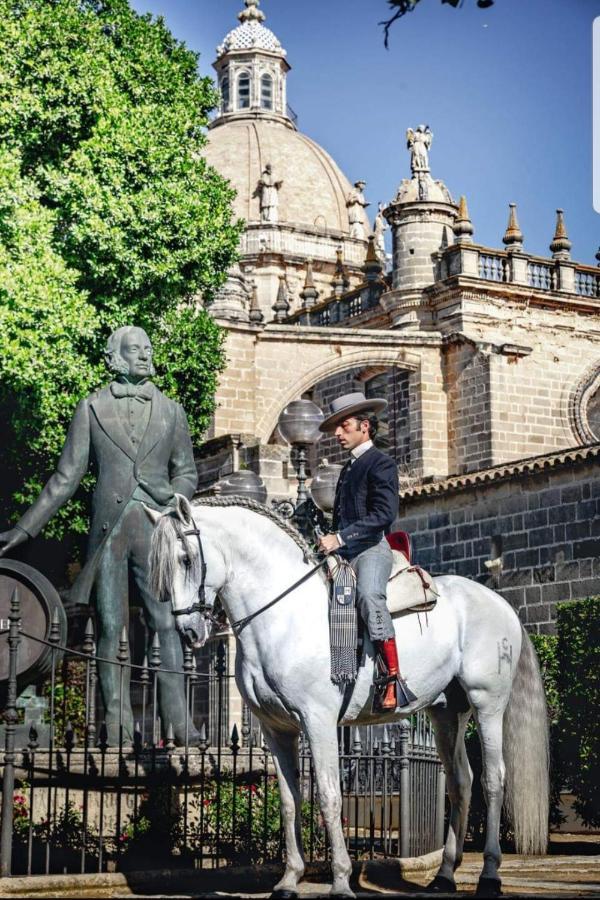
<point x="352" y="432"/>
<point x="136" y="350"/>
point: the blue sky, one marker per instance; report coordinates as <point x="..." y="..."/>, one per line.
<point x="507" y="93"/>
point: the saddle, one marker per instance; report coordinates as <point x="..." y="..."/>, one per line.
<point x="410" y="588"/>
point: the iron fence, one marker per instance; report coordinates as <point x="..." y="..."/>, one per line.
<point x="74" y="802"/>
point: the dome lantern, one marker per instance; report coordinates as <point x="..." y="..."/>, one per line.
<point x="251" y="70"/>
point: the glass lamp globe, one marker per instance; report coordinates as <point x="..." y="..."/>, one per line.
<point x="299" y="422"/>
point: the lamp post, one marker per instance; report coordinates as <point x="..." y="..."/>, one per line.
<point x="299" y="426"/>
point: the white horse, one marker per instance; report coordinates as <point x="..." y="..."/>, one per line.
<point x="474" y="649"/>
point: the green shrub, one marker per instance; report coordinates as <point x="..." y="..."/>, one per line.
<point x="578" y="680"/>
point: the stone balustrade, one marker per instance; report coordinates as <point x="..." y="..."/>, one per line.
<point x="503" y="266"/>
<point x="290" y="240"/>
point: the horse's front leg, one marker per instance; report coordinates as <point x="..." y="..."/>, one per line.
<point x="324" y="750"/>
<point x="284" y="747"/>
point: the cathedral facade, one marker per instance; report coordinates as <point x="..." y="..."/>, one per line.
<point x="489" y="356"/>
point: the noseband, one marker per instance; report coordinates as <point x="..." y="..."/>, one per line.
<point x="200" y="605"/>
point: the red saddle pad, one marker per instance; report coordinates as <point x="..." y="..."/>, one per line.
<point x="400" y="540"/>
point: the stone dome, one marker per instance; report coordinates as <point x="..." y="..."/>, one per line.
<point x="250" y="36"/>
<point x="314" y="190"/>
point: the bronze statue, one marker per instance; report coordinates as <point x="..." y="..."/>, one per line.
<point x="140" y="442"/>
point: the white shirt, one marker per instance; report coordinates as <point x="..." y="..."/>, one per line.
<point x="362" y="448"/>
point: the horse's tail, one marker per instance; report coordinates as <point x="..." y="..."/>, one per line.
<point x="526" y="755"/>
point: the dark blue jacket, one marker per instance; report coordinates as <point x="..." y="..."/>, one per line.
<point x="366" y="501"/>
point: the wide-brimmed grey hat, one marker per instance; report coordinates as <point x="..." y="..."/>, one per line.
<point x="351" y="405"/>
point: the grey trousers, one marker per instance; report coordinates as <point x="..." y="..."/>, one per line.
<point x="126" y="555"/>
<point x="373" y="568"/>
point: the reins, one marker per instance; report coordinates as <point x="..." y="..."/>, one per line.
<point x="201" y="607"/>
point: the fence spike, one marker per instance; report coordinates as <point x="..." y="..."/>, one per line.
<point x="155" y="652"/>
<point x="88" y="637"/>
<point x="123" y="651"/>
<point x="202" y="740"/>
<point x="145" y="674"/>
<point x="103" y="737"/>
<point x="235" y="739"/>
<point x="137" y="739"/>
<point x="357" y="742"/>
<point x="54" y="636"/>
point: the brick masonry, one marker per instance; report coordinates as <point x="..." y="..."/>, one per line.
<point x="543" y="526"/>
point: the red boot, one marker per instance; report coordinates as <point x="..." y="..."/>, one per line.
<point x="396" y="692"/>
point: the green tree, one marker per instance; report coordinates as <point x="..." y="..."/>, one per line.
<point x="109" y="215"/>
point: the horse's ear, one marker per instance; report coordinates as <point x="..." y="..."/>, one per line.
<point x="152" y="514"/>
<point x="183" y="508"/>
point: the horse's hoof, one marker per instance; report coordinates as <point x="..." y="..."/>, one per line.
<point x="489" y="887"/>
<point x="441" y="885"/>
<point x="283" y="894"/>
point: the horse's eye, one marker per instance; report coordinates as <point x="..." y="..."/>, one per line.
<point x="187" y="562"/>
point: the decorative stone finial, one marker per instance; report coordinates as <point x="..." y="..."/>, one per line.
<point x="463" y="227"/>
<point x="252" y="13"/>
<point x="372" y="266"/>
<point x="339" y="282"/>
<point x="560" y="245"/>
<point x="513" y="236"/>
<point x="309" y="294"/>
<point x="255" y="313"/>
<point x="281" y="307"/>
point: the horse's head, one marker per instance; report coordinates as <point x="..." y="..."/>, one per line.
<point x="185" y="569"/>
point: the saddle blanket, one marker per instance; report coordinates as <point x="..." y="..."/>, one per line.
<point x="410" y="588"/>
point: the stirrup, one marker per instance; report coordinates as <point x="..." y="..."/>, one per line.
<point x="404" y="695"/>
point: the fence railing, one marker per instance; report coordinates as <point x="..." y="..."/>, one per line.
<point x="78" y="796"/>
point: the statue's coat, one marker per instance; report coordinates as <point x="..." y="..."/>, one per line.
<point x="161" y="466"/>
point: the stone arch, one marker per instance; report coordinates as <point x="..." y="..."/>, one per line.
<point x="365" y="357"/>
<point x="584" y="426"/>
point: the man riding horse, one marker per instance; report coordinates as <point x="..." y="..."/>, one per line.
<point x="365" y="507"/>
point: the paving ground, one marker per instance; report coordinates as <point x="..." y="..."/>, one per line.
<point x="560" y="875"/>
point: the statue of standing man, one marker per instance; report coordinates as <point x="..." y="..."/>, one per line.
<point x="141" y="444"/>
<point x="268" y="192"/>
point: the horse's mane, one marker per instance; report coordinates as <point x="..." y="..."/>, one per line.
<point x="255" y="506"/>
<point x="170" y="529"/>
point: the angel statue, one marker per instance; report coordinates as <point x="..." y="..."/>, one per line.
<point x="419" y="142"/>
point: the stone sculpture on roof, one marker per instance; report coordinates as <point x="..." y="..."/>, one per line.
<point x="419" y="142"/>
<point x="356" y="203"/>
<point x="267" y="191"/>
<point x="379" y="229"/>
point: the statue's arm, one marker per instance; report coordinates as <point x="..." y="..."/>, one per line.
<point x="184" y="477"/>
<point x="71" y="468"/>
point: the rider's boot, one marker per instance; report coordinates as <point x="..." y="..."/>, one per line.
<point x="397" y="693"/>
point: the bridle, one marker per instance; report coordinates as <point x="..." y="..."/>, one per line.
<point x="205" y="610"/>
<point x="200" y="606"/>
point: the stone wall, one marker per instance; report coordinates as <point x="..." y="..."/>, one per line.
<point x="537" y="523"/>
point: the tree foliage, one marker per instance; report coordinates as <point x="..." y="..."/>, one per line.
<point x="109" y="215"/>
<point x="401" y="7"/>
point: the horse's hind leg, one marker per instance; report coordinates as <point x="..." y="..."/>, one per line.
<point x="324" y="749"/>
<point x="449" y="726"/>
<point x="284" y="747"/>
<point x="489" y="727"/>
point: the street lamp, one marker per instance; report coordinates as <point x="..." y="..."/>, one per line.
<point x="242" y="484"/>
<point x="299" y="426"/>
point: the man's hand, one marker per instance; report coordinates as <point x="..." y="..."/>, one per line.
<point x="11" y="539"/>
<point x="328" y="543"/>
